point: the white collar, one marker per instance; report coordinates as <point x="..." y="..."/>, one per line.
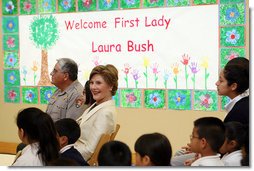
<point x="232" y="102"/>
<point x="65" y="148"/>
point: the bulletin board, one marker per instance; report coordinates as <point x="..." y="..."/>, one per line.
<point x="168" y="53"/>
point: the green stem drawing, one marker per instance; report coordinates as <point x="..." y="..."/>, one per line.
<point x="34" y="78"/>
<point x="155" y="80"/>
<point x="145" y="74"/>
<point x="165" y="84"/>
<point x="186" y="77"/>
<point x="175" y="79"/>
<point x="126" y="80"/>
<point x="136" y="83"/>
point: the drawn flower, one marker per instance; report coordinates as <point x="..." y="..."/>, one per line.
<point x="10" y="25"/>
<point x="146" y="64"/>
<point x="35" y="66"/>
<point x="178" y="1"/>
<point x="176" y="70"/>
<point x="12" y="95"/>
<point x="96" y="61"/>
<point x="185" y="60"/>
<point x="206" y="100"/>
<point x="9" y="7"/>
<point x="153" y="1"/>
<point x="179" y="99"/>
<point x="11" y="60"/>
<point x="29" y="95"/>
<point x="66" y="4"/>
<point x="24" y="72"/>
<point x="155" y="72"/>
<point x="10" y="42"/>
<point x="131" y="98"/>
<point x="194" y="70"/>
<point x="127" y="68"/>
<point x="155" y="99"/>
<point x="11" y="77"/>
<point x="232" y="55"/>
<point x="232" y="36"/>
<point x="46" y="4"/>
<point x="193" y="67"/>
<point x="130" y="2"/>
<point x="48" y="94"/>
<point x="108" y="3"/>
<point x="136" y="76"/>
<point x="232" y="14"/>
<point x="126" y="71"/>
<point x="27" y="6"/>
<point x="205" y="63"/>
<point x="87" y="3"/>
<point x="166" y="77"/>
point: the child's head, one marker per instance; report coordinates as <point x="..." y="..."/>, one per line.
<point x="234" y="137"/>
<point x="208" y="135"/>
<point x="68" y="131"/>
<point x="234" y="78"/>
<point x="37" y="126"/>
<point x="114" y="153"/>
<point x="153" y="150"/>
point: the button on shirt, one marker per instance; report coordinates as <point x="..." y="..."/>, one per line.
<point x="62" y="104"/>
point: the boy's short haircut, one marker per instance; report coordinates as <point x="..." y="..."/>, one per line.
<point x="68" y="127"/>
<point x="213" y="130"/>
<point x="114" y="153"/>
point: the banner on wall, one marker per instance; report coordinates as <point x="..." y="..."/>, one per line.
<point x="172" y="48"/>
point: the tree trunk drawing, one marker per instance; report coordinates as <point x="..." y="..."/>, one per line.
<point x="44" y="79"/>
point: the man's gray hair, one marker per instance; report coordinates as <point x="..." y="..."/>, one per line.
<point x="69" y="66"/>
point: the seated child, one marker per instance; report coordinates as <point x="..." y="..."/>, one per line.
<point x="153" y="150"/>
<point x="114" y="153"/>
<point x="69" y="132"/>
<point x="207" y="137"/>
<point x="37" y="132"/>
<point x="235" y="136"/>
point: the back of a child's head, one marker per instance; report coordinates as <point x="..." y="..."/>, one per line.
<point x="213" y="130"/>
<point x="236" y="131"/>
<point x="114" y="153"/>
<point x="156" y="146"/>
<point x="68" y="127"/>
<point x="39" y="127"/>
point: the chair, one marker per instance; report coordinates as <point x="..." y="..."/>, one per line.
<point x="93" y="161"/>
<point x="113" y="135"/>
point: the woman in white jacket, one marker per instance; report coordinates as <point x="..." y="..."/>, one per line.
<point x="100" y="117"/>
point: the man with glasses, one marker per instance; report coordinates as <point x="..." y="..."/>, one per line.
<point x="62" y="103"/>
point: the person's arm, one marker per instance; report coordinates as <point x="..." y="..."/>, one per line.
<point x="72" y="110"/>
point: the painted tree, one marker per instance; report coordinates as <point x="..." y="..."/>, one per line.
<point x="44" y="33"/>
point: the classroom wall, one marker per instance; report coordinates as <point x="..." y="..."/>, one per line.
<point x="176" y="125"/>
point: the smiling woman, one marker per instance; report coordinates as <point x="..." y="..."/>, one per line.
<point x="100" y="117"/>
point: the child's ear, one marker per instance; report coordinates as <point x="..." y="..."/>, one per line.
<point x="232" y="144"/>
<point x="233" y="86"/>
<point x="63" y="141"/>
<point x="146" y="161"/>
<point x="203" y="143"/>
